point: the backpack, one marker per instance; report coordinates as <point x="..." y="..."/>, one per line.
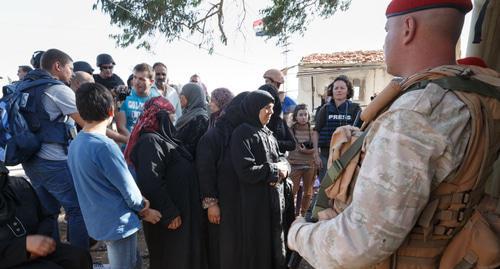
<point x="18" y="143"/>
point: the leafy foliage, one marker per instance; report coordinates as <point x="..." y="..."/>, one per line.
<point x="286" y="17"/>
<point x="141" y="20"/>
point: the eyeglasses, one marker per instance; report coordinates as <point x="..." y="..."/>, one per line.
<point x="160" y="74"/>
<point x="106" y="67"/>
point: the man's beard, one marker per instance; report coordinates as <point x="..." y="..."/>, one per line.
<point x="161" y="83"/>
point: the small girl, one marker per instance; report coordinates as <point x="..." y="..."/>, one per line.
<point x="305" y="158"/>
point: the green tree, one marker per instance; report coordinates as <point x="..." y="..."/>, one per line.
<point x="140" y="20"/>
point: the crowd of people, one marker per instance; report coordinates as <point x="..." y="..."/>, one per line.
<point x="208" y="176"/>
<point x="226" y="181"/>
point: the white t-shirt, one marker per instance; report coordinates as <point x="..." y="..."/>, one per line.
<point x="58" y="100"/>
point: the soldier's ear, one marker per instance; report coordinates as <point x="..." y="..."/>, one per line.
<point x="409" y="29"/>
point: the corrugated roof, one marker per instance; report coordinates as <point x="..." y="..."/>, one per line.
<point x="345" y="57"/>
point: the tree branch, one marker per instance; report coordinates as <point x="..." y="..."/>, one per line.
<point x="221" y="22"/>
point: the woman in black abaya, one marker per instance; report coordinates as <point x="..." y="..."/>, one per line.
<point x="261" y="170"/>
<point x="220" y="189"/>
<point x="166" y="176"/>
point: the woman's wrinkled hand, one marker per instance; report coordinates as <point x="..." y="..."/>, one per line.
<point x="214" y="214"/>
<point x="175" y="223"/>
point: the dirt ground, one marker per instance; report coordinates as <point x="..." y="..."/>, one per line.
<point x="99" y="254"/>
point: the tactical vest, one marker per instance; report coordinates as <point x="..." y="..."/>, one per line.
<point x="47" y="131"/>
<point x="460" y="225"/>
<point x="335" y="119"/>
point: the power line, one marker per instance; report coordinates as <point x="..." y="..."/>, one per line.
<point x="183" y="39"/>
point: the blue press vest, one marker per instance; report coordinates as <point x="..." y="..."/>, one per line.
<point x="336" y="117"/>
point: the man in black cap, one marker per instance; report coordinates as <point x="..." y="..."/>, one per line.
<point x="83" y="66"/>
<point x="106" y="76"/>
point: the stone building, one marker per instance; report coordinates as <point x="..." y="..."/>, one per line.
<point x="365" y="69"/>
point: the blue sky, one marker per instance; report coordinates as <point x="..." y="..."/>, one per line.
<point x="72" y="26"/>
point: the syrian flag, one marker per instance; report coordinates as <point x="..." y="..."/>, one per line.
<point x="258" y="27"/>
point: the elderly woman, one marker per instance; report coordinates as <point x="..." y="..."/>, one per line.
<point x="219" y="99"/>
<point x="261" y="171"/>
<point x="167" y="178"/>
<point x="194" y="120"/>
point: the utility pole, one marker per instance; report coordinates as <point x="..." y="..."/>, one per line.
<point x="285" y="62"/>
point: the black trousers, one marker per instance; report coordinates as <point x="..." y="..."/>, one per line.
<point x="64" y="257"/>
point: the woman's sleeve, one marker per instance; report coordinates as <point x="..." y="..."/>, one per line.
<point x="207" y="158"/>
<point x="243" y="146"/>
<point x="150" y="159"/>
<point x="46" y="220"/>
<point x="13" y="252"/>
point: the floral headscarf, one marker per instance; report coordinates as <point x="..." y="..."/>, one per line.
<point x="148" y="121"/>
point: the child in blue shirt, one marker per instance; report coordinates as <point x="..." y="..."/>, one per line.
<point x="109" y="198"/>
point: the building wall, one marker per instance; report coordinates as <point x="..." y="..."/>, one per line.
<point x="371" y="80"/>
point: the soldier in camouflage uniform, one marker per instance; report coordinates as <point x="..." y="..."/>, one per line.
<point x="409" y="150"/>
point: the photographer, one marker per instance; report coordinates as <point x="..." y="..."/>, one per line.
<point x="305" y="158"/>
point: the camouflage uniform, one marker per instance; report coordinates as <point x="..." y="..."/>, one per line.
<point x="409" y="150"/>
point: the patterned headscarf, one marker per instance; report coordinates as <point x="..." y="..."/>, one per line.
<point x="221" y="97"/>
<point x="148" y="121"/>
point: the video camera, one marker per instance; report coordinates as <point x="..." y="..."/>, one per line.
<point x="120" y="92"/>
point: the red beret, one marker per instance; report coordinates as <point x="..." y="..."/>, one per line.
<point x="472" y="61"/>
<point x="400" y="7"/>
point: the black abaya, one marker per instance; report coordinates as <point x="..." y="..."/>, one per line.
<point x="254" y="153"/>
<point x="168" y="180"/>
<point x="219" y="180"/>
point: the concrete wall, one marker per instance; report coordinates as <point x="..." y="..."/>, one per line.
<point x="371" y="80"/>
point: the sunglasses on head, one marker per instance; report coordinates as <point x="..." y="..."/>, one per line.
<point x="106" y="67"/>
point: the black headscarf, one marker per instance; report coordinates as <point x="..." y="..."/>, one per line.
<point x="231" y="117"/>
<point x="8" y="198"/>
<point x="167" y="132"/>
<point x="253" y="103"/>
<point x="275" y="118"/>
